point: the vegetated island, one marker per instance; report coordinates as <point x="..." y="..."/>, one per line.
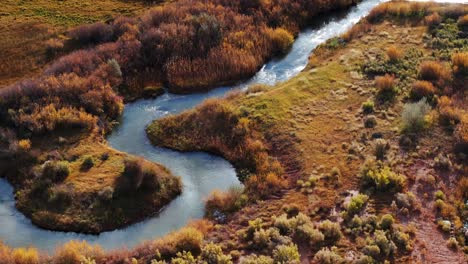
<point x="361" y="158"/>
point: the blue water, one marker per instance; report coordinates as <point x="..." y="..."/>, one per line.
<point x="201" y="173"/>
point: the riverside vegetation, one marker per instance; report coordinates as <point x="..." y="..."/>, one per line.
<point x="336" y="162"/>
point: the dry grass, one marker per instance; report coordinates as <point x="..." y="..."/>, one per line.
<point x="27" y="26"/>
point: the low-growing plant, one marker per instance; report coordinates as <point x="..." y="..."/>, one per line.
<point x="381" y="148"/>
<point x="433" y="20"/>
<point x="88" y="163"/>
<point x="213" y="254"/>
<point x="368" y="107"/>
<point x="460" y="64"/>
<point x="370" y="121"/>
<point x="463" y="23"/>
<point x="386" y="87"/>
<point x="422" y="89"/>
<point x="413" y="116"/>
<point x="331" y="231"/>
<point x="74" y="252"/>
<point x="386" y="222"/>
<point x="381" y="177"/>
<point x="356" y="204"/>
<point x="254" y="259"/>
<point x="435" y="72"/>
<point x="25" y="256"/>
<point x="394" y="53"/>
<point x="286" y="254"/>
<point x="328" y="256"/>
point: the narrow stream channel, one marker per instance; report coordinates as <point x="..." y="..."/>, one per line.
<point x="201" y="173"/>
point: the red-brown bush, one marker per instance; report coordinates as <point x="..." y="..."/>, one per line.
<point x="435" y="72"/>
<point x="92" y="34"/>
<point x="422" y="89"/>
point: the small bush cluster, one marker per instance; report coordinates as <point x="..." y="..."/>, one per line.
<point x="381" y="178"/>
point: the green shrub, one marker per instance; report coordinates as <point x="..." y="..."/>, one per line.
<point x="356" y="204"/>
<point x="183" y="257"/>
<point x="386" y="246"/>
<point x="381" y="147"/>
<point x="403" y="240"/>
<point x="439" y="195"/>
<point x="88" y="163"/>
<point x="452" y="243"/>
<point x="368" y="107"/>
<point x="331" y="231"/>
<point x="56" y="171"/>
<point x="406" y="200"/>
<point x="310" y="235"/>
<point x="267" y="238"/>
<point x="254" y="259"/>
<point x="254" y="225"/>
<point x="286" y="254"/>
<point x="60" y="196"/>
<point x="381" y="177"/>
<point x="327" y="256"/>
<point x="386" y="222"/>
<point x="370" y="121"/>
<point x="413" y="116"/>
<point x="213" y="254"/>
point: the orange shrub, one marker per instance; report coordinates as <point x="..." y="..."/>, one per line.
<point x="25" y="256"/>
<point x="386" y="86"/>
<point x="5" y="254"/>
<point x="73" y="252"/>
<point x="448" y="114"/>
<point x="186" y="239"/>
<point x="394" y="53"/>
<point x="460" y="64"/>
<point x="461" y="134"/>
<point x="422" y="89"/>
<point x="281" y="40"/>
<point x="463" y="22"/>
<point x="434" y="71"/>
<point x="386" y="82"/>
<point x="433" y="19"/>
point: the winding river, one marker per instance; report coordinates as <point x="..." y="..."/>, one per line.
<point x="200" y="172"/>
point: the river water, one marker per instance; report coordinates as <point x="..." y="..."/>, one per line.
<point x="201" y="173"/>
